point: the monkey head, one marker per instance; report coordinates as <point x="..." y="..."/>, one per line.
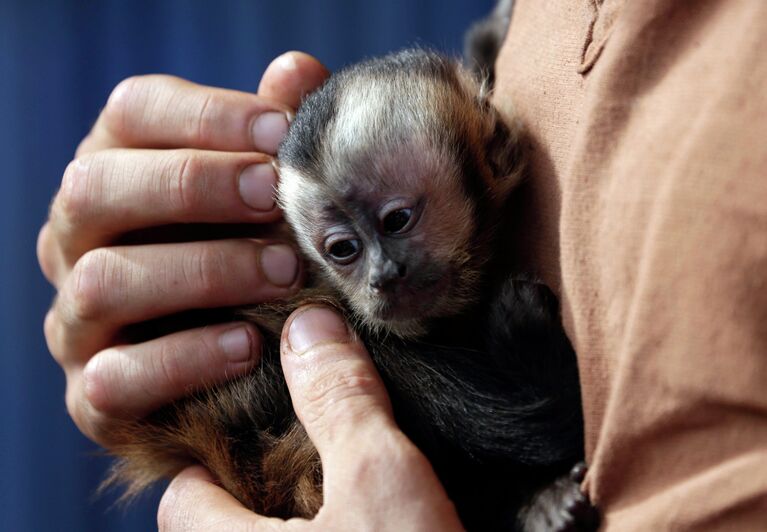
<point x="391" y="176"/>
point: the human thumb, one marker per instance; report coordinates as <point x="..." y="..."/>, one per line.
<point x="336" y="390"/>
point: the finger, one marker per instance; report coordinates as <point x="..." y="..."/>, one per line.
<point x="130" y="381"/>
<point x="290" y="77"/>
<point x="113" y="287"/>
<point x="49" y="256"/>
<point x="115" y="191"/>
<point x="159" y="111"/>
<point x="337" y="392"/>
<point x="194" y="502"/>
<point x="367" y="462"/>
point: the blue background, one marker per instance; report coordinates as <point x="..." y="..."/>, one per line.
<point x="58" y="63"/>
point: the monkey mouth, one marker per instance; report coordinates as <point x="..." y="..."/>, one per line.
<point x="412" y="303"/>
<point x="401" y="311"/>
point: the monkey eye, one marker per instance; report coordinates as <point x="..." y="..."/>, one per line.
<point x="343" y="251"/>
<point x="397" y="221"/>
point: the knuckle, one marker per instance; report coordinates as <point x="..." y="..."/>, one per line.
<point x="206" y="123"/>
<point x="138" y="101"/>
<point x="93" y="423"/>
<point x="340" y="392"/>
<point x="73" y="406"/>
<point x="393" y="452"/>
<point x="166" y="370"/>
<point x="208" y="270"/>
<point x="86" y="145"/>
<point x="404" y="454"/>
<point x="46" y="254"/>
<point x="74" y="197"/>
<point x="120" y="101"/>
<point x="367" y="466"/>
<point x="83" y="415"/>
<point x="86" y="294"/>
<point x="101" y="382"/>
<point x="390" y="457"/>
<point x="50" y="330"/>
<point x="188" y="188"/>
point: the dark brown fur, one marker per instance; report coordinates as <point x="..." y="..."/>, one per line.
<point x="245" y="431"/>
<point x="482" y="378"/>
<point x="282" y="478"/>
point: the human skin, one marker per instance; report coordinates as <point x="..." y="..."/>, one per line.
<point x="163" y="151"/>
<point x="374" y="477"/>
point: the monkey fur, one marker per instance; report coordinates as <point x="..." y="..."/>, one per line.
<point x="393" y="177"/>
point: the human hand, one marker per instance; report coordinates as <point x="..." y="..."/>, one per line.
<point x="374" y="477"/>
<point x="166" y="151"/>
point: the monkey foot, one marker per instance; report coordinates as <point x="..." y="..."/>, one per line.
<point x="562" y="507"/>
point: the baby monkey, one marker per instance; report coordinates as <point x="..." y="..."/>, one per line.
<point x="393" y="178"/>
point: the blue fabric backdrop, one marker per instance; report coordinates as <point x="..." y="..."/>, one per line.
<point x="58" y="63"/>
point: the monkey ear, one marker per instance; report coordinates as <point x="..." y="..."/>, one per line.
<point x="505" y="156"/>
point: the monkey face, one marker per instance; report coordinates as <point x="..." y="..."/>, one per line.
<point x="397" y="240"/>
<point x="388" y="177"/>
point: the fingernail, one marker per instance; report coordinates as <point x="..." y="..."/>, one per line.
<point x="257" y="184"/>
<point x="268" y="130"/>
<point x="316" y="325"/>
<point x="236" y="345"/>
<point x="279" y="264"/>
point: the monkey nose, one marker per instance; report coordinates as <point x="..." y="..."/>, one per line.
<point x="386" y="277"/>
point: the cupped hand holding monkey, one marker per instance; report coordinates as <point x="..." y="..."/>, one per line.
<point x="165" y="151"/>
<point x="374" y="477"/>
<point x="168" y="151"/>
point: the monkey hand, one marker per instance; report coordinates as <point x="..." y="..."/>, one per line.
<point x="165" y="151"/>
<point x="562" y="506"/>
<point x="374" y="477"/>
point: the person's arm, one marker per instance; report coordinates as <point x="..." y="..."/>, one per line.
<point x="165" y="151"/>
<point x="374" y="477"/>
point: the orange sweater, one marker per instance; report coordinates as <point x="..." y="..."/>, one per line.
<point x="646" y="209"/>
